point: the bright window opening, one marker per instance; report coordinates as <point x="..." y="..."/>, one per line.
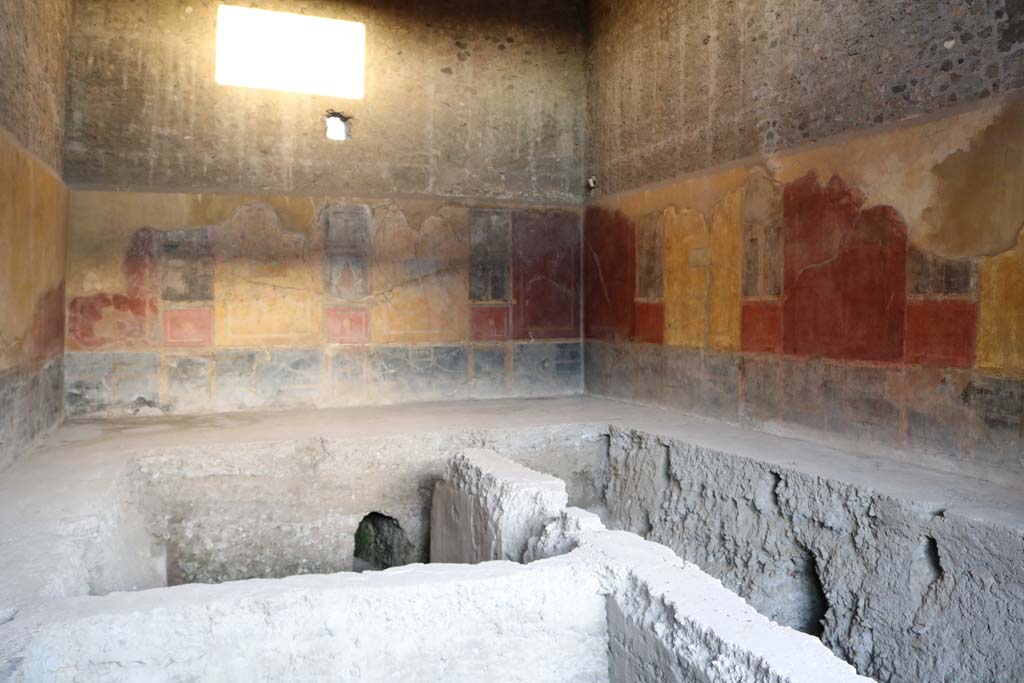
<point x="290" y="52"/>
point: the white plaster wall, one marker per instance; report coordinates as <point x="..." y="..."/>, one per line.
<point x="488" y="507"/>
<point x="493" y="622"/>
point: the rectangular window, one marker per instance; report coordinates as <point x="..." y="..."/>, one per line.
<point x="290" y="52"/>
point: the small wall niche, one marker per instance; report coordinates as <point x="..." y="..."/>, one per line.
<point x="380" y="543"/>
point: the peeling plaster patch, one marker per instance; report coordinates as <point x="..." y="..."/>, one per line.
<point x="650" y="254"/>
<point x="490" y="255"/>
<point x="762" y="236"/>
<point x="346" y="251"/>
<point x="979" y="206"/>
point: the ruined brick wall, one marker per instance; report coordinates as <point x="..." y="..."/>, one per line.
<point x="464" y="98"/>
<point x="679" y="86"/>
<point x="33" y="205"/>
<point x="870" y="289"/>
<point x="189" y="303"/>
<point x="226" y="255"/>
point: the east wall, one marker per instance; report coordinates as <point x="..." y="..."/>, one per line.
<point x="224" y="255"/>
<point x="808" y="220"/>
<point x="868" y="289"/>
<point x="33" y="209"/>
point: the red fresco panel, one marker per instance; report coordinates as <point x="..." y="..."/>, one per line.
<point x="347" y="325"/>
<point x="188" y="327"/>
<point x="941" y="333"/>
<point x="490" y="323"/>
<point x="845" y="274"/>
<point x="545" y="274"/>
<point x="761" y="327"/>
<point x="650" y="322"/>
<point x="609" y="272"/>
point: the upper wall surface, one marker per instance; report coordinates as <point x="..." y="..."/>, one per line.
<point x="33" y="57"/>
<point x="679" y="86"/>
<point x="463" y="98"/>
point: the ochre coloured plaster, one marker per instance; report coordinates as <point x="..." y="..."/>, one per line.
<point x="979" y="199"/>
<point x="33" y="246"/>
<point x="702" y="277"/>
<point x="1001" y="312"/>
<point x="420" y="262"/>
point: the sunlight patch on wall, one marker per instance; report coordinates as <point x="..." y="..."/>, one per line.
<point x="290" y="52"/>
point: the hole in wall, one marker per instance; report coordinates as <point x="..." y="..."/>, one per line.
<point x="663" y="471"/>
<point x="380" y="543"/>
<point x="928" y="565"/>
<point x="817" y="601"/>
<point x="797" y="599"/>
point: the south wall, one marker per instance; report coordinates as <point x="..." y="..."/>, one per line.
<point x="867" y="289"/>
<point x="190" y="303"/>
<point x="33" y="208"/>
<point x="225" y="255"/>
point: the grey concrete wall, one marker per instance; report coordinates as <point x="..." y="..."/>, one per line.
<point x="33" y="59"/>
<point x="676" y="86"/>
<point x="898" y="577"/>
<point x="463" y="98"/>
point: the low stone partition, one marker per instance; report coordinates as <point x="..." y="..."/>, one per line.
<point x="667" y="620"/>
<point x="907" y="573"/>
<point x="488" y="508"/>
<point x="591" y="606"/>
<point x="544" y="623"/>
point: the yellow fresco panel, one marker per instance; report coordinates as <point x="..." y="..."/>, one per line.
<point x="687" y="271"/>
<point x="1001" y="313"/>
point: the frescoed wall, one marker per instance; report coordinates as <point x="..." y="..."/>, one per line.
<point x="869" y="288"/>
<point x="33" y="208"/>
<point x="188" y="303"/>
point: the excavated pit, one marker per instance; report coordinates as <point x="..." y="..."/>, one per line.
<point x="885" y="575"/>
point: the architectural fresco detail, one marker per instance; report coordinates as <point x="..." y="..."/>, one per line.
<point x="834" y="288"/>
<point x="190" y="302"/>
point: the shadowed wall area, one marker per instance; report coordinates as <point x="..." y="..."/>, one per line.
<point x="462" y="98"/>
